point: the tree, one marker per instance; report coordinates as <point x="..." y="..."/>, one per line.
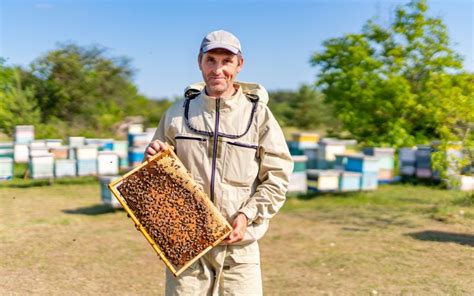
<point x="82" y="90"/>
<point x="455" y="99"/>
<point x="304" y="109"/>
<point x="17" y="104"/>
<point x="379" y="81"/>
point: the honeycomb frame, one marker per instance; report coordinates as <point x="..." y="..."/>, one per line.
<point x="171" y="166"/>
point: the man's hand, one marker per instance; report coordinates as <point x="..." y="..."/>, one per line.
<point x="154" y="147"/>
<point x="239" y="226"/>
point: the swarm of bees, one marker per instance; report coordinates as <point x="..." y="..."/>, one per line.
<point x="176" y="215"/>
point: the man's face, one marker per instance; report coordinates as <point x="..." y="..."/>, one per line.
<point x="219" y="68"/>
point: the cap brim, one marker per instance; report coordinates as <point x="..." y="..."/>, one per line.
<point x="223" y="46"/>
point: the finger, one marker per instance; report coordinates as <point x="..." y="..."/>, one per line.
<point x="150" y="152"/>
<point x="235" y="236"/>
<point x="155" y="145"/>
<point x="163" y="146"/>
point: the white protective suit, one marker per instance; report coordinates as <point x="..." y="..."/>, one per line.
<point x="235" y="149"/>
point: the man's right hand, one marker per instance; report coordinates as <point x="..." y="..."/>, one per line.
<point x="154" y="147"/>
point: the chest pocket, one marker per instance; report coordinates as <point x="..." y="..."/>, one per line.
<point x="240" y="163"/>
<point x="191" y="150"/>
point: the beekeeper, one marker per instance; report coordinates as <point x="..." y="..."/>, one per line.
<point x="226" y="136"/>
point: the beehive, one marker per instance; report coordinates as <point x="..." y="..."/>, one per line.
<point x="64" y="168"/>
<point x="6" y="168"/>
<point x="107" y="163"/>
<point x="24" y="134"/>
<point x="165" y="203"/>
<point x="323" y="180"/>
<point x="21" y="153"/>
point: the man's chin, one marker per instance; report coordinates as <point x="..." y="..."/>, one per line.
<point x="216" y="90"/>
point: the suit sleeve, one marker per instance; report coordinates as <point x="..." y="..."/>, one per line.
<point x="275" y="169"/>
<point x="163" y="132"/>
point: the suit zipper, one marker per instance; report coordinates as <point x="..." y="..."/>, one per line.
<point x="214" y="148"/>
<point x="243" y="145"/>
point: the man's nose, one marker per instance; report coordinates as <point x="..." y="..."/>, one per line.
<point x="217" y="69"/>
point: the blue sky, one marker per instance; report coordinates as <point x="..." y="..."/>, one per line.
<point x="162" y="37"/>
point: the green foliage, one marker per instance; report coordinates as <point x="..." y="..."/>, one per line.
<point x="304" y="109"/>
<point x="455" y="115"/>
<point x="379" y="81"/>
<point x="17" y="104"/>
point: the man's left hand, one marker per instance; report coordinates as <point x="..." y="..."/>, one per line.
<point x="239" y="226"/>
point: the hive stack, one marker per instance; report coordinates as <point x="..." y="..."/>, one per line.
<point x="41" y="164"/>
<point x="368" y="166"/>
<point x="327" y="150"/>
<point x="63" y="166"/>
<point x="137" y="142"/>
<point x="386" y="157"/>
<point x="75" y="142"/>
<point x="423" y="162"/>
<point x="121" y="149"/>
<point x="41" y="161"/>
<point x="86" y="157"/>
<point x="298" y="176"/>
<point x="24" y="135"/>
<point x="407" y="162"/>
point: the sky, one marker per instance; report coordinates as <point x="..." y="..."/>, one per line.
<point x="162" y="38"/>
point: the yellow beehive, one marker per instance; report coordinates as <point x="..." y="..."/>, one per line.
<point x="167" y="206"/>
<point x="306" y="137"/>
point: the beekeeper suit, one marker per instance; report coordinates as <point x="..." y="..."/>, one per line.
<point x="226" y="136"/>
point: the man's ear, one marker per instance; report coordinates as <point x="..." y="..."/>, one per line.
<point x="240" y="63"/>
<point x="199" y="61"/>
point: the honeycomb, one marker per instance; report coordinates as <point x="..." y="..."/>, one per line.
<point x="177" y="216"/>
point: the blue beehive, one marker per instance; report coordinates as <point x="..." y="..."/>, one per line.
<point x="423" y="157"/>
<point x="105" y="194"/>
<point x="340" y="162"/>
<point x="294" y="148"/>
<point x="407" y="161"/>
<point x="362" y="163"/>
<point x="136" y="155"/>
<point x="349" y="181"/>
<point x="108" y="145"/>
<point x="138" y="139"/>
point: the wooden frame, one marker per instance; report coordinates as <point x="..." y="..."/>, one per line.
<point x="189" y="184"/>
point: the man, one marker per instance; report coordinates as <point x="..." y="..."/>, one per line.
<point x="228" y="139"/>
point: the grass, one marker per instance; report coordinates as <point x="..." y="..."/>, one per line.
<point x="400" y="240"/>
